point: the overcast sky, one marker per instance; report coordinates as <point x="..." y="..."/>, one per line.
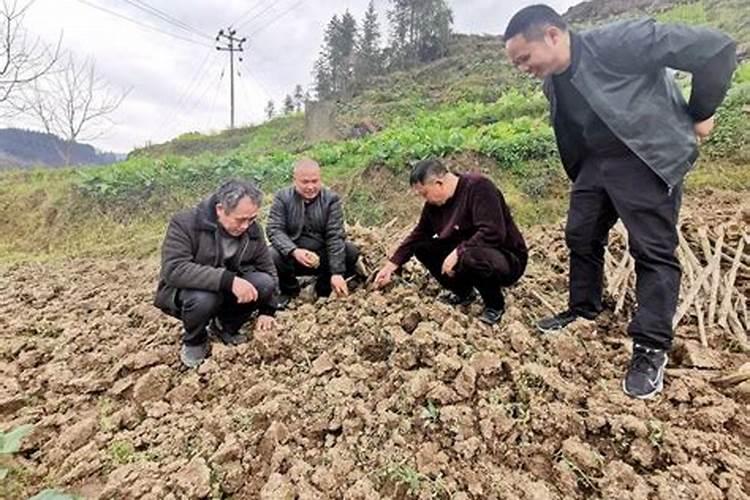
<point x="180" y="82"/>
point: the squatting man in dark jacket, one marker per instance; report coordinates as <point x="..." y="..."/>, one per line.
<point x="306" y="230"/>
<point x="465" y="237"/>
<point x="216" y="270"/>
<point x="626" y="138"/>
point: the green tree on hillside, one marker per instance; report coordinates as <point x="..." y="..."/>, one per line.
<point x="420" y="31"/>
<point x="288" y="104"/>
<point x="368" y="56"/>
<point x="334" y="69"/>
<point x="299" y="98"/>
<point x="270" y="109"/>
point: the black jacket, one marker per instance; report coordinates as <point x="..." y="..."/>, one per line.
<point x="621" y="69"/>
<point x="287" y="218"/>
<point x="192" y="256"/>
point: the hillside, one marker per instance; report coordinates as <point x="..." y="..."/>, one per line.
<point x="385" y="394"/>
<point x="28" y="148"/>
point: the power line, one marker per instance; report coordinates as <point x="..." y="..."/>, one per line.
<point x="147" y="26"/>
<point x="248" y="11"/>
<point x="190" y="87"/>
<point x="143" y="6"/>
<point x="198" y="101"/>
<point x="271" y="6"/>
<point x="257" y="81"/>
<point x="266" y="25"/>
<point x="245" y="92"/>
<point x="216" y="95"/>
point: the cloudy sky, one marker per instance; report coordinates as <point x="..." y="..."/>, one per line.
<point x="179" y="82"/>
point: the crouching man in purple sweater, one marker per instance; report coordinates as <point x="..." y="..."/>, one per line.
<point x="465" y="237"/>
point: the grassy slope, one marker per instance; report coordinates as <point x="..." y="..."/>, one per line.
<point x="452" y="108"/>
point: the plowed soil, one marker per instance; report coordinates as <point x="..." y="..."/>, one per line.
<point x="386" y="394"/>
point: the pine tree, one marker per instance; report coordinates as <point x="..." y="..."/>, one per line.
<point x="342" y="53"/>
<point x="299" y="98"/>
<point x="270" y="109"/>
<point x="334" y="68"/>
<point x="420" y="31"/>
<point x="322" y="76"/>
<point x="288" y="104"/>
<point x="323" y="70"/>
<point x="368" y="57"/>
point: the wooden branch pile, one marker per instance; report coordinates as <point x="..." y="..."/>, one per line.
<point x="715" y="279"/>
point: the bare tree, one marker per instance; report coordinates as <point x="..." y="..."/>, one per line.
<point x="22" y="60"/>
<point x="74" y="103"/>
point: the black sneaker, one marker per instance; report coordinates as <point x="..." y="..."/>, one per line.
<point x="453" y="299"/>
<point x="491" y="316"/>
<point x="193" y="355"/>
<point x="216" y="329"/>
<point x="560" y="320"/>
<point x="282" y="302"/>
<point x="645" y="377"/>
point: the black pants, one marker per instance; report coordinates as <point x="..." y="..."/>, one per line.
<point x="608" y="188"/>
<point x="288" y="269"/>
<point x="198" y="307"/>
<point x="486" y="269"/>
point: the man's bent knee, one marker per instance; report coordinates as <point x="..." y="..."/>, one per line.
<point x="201" y="303"/>
<point x="264" y="284"/>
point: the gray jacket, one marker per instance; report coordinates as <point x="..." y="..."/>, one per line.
<point x="621" y="70"/>
<point x="287" y="218"/>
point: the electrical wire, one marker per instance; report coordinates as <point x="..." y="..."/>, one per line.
<point x="257" y="16"/>
<point x="143" y="6"/>
<point x="147" y="26"/>
<point x="247" y="12"/>
<point x="216" y="95"/>
<point x="190" y="87"/>
<point x="272" y="21"/>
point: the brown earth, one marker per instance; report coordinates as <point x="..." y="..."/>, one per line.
<point x="385" y="394"/>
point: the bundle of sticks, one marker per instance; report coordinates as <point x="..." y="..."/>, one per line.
<point x="715" y="278"/>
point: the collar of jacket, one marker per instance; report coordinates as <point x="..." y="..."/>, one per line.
<point x="299" y="199"/>
<point x="206" y="211"/>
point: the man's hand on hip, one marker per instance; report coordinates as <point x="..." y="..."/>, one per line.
<point x="703" y="129"/>
<point x="244" y="291"/>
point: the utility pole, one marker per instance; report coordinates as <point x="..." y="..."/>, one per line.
<point x="231" y="48"/>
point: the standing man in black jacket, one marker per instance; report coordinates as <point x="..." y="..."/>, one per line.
<point x="626" y="138"/>
<point x="306" y="229"/>
<point x="216" y="270"/>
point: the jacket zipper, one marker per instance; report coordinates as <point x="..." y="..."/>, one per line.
<point x="658" y="174"/>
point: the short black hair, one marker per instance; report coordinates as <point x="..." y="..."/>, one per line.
<point x="531" y="21"/>
<point x="425" y="170"/>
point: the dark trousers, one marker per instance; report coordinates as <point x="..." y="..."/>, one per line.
<point x="288" y="269"/>
<point x="198" y="307"/>
<point x="608" y="188"/>
<point x="486" y="269"/>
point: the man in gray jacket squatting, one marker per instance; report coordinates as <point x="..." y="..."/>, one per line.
<point x="626" y="138"/>
<point x="306" y="229"/>
<point x="216" y="270"/>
